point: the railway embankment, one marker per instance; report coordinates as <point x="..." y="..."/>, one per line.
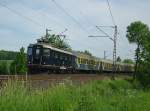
<point x="97" y="95"/>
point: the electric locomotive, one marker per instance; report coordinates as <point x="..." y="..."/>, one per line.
<point x="45" y="57"/>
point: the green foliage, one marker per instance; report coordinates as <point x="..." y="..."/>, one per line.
<point x="7" y="55"/>
<point x="129" y="61"/>
<point x="117" y="95"/>
<point x="118" y="59"/>
<point x="19" y="65"/>
<point x="136" y="32"/>
<point x="15" y="62"/>
<point x="55" y="41"/>
<point x="5" y="66"/>
<point x="87" y="52"/>
<point x="139" y="33"/>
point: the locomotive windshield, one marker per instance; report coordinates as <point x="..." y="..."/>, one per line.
<point x="37" y="51"/>
<point x="29" y="51"/>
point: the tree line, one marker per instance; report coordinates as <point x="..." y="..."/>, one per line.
<point x="8" y="55"/>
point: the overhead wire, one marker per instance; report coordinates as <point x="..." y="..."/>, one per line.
<point x="47" y="16"/>
<point x="112" y="17"/>
<point x="97" y="27"/>
<point x="21" y="15"/>
<point x="68" y="14"/>
<point x="88" y="21"/>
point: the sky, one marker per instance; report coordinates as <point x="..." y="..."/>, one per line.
<point x="24" y="21"/>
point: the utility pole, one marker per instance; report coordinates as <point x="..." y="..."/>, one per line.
<point x="104" y="54"/>
<point x="115" y="51"/>
<point x="47" y="30"/>
<point x="114" y="40"/>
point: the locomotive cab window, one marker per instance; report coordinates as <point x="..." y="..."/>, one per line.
<point x="46" y="52"/>
<point x="37" y="51"/>
<point x="29" y="51"/>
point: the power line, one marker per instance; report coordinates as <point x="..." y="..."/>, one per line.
<point x="21" y="15"/>
<point x="45" y="15"/>
<point x="73" y="19"/>
<point x="102" y="31"/>
<point x="109" y="7"/>
<point x="106" y="35"/>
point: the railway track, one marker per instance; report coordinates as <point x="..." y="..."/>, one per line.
<point x="52" y="77"/>
<point x="45" y="80"/>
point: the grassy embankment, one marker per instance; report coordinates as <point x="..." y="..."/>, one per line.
<point x="5" y="66"/>
<point x="107" y="95"/>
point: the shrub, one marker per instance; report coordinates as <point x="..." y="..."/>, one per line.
<point x="19" y="65"/>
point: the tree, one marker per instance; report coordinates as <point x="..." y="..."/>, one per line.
<point x="4" y="67"/>
<point x="55" y="41"/>
<point x="7" y="55"/>
<point x="19" y="65"/>
<point x="87" y="52"/>
<point x="144" y="75"/>
<point x="136" y="33"/>
<point x="128" y="61"/>
<point x="118" y="59"/>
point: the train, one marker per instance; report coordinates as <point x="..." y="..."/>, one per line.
<point x="44" y="57"/>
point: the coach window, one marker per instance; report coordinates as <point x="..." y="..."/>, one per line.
<point x="85" y="61"/>
<point x="78" y="60"/>
<point x="82" y="61"/>
<point x="46" y="52"/>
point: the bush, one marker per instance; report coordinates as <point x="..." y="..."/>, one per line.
<point x="19" y="65"/>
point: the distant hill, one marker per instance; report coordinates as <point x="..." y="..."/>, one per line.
<point x="8" y="55"/>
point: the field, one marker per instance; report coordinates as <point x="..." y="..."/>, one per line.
<point x="104" y="95"/>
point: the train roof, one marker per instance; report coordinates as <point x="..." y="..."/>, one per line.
<point x="53" y="48"/>
<point x="79" y="54"/>
<point x="85" y="56"/>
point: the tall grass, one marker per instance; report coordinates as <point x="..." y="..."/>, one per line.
<point x="118" y="95"/>
<point x="5" y="66"/>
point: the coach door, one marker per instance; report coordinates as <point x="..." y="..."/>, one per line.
<point x="37" y="55"/>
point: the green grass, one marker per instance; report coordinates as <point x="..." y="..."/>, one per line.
<point x="107" y="95"/>
<point x="5" y="66"/>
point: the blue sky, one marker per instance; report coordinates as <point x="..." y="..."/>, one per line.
<point x="16" y="31"/>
